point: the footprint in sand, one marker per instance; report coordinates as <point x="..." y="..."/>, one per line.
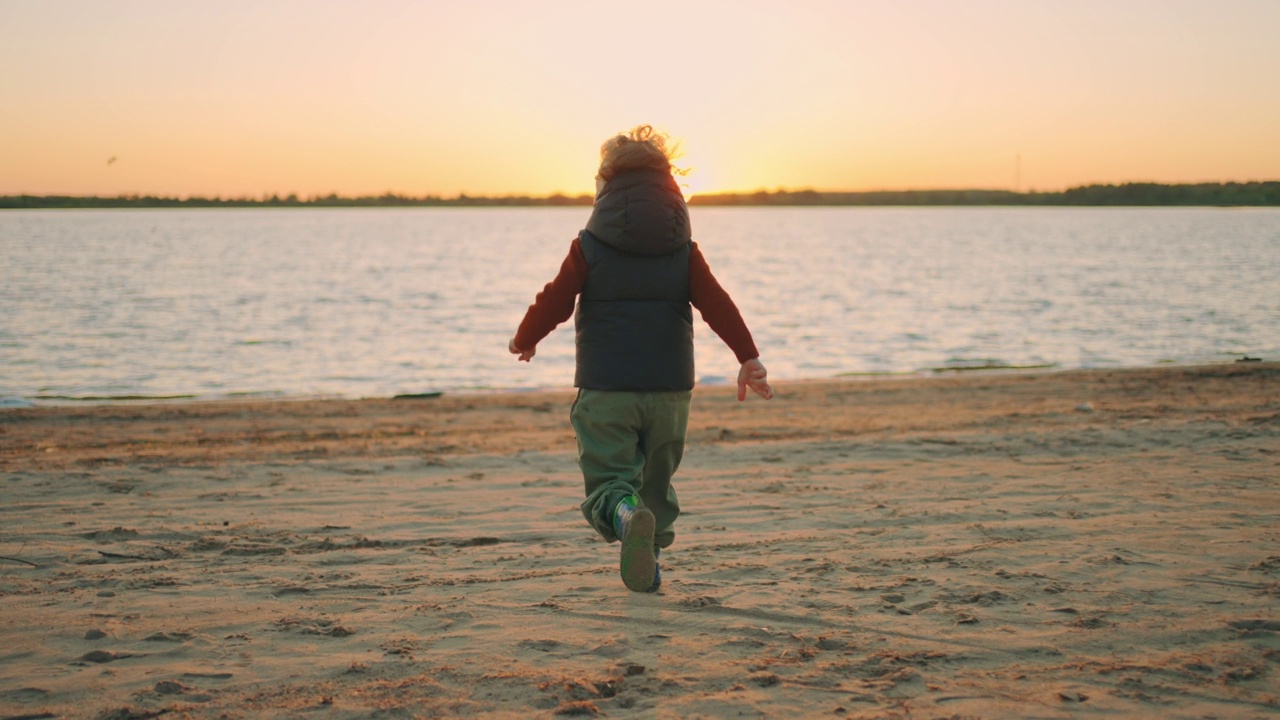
<point x="173" y="687"/>
<point x="26" y="694"/>
<point x="102" y="656"/>
<point x="542" y="645"/>
<point x="168" y="637"/>
<point x="1255" y="624"/>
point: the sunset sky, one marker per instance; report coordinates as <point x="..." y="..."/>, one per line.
<point x="493" y="97"/>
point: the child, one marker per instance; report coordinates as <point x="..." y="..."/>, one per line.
<point x="635" y="271"/>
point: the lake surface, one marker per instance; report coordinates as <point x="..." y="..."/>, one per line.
<point x="367" y="302"/>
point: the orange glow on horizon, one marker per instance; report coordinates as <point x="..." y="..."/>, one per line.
<point x="433" y="98"/>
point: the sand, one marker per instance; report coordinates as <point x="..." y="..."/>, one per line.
<point x="1053" y="544"/>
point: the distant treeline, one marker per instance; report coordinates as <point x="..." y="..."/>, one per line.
<point x="196" y="201"/>
<point x="1215" y="194"/>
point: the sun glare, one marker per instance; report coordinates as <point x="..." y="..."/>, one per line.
<point x="689" y="171"/>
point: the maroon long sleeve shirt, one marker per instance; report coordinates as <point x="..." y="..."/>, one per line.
<point x="555" y="304"/>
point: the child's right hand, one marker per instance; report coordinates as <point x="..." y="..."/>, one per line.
<point x="753" y="375"/>
<point x="525" y="355"/>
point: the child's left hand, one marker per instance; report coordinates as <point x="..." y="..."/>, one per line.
<point x="525" y="355"/>
<point x="753" y="375"/>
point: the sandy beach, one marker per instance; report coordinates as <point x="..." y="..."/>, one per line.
<point x="1049" y="544"/>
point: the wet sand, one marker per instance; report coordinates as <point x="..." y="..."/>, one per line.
<point x="1055" y="544"/>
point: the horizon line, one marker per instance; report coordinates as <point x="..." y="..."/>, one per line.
<point x="463" y="196"/>
<point x="1231" y="194"/>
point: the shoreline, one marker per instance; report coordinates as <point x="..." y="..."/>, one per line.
<point x="12" y="402"/>
<point x="1064" y="544"/>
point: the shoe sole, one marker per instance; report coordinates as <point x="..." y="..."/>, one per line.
<point x="637" y="563"/>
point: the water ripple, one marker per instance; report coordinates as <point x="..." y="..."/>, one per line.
<point x="379" y="302"/>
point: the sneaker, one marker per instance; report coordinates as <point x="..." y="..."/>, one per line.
<point x="634" y="526"/>
<point x="657" y="572"/>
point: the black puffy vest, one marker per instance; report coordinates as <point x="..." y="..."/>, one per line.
<point x="634" y="322"/>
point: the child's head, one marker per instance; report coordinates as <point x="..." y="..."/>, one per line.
<point x="640" y="147"/>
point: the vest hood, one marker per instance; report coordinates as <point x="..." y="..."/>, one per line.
<point x="642" y="212"/>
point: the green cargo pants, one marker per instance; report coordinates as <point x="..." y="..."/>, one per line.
<point x="630" y="443"/>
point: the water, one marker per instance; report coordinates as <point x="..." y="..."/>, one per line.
<point x="366" y="302"/>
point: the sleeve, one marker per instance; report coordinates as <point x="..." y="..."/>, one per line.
<point x="718" y="309"/>
<point x="555" y="303"/>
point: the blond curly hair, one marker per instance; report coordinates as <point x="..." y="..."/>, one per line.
<point x="639" y="147"/>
